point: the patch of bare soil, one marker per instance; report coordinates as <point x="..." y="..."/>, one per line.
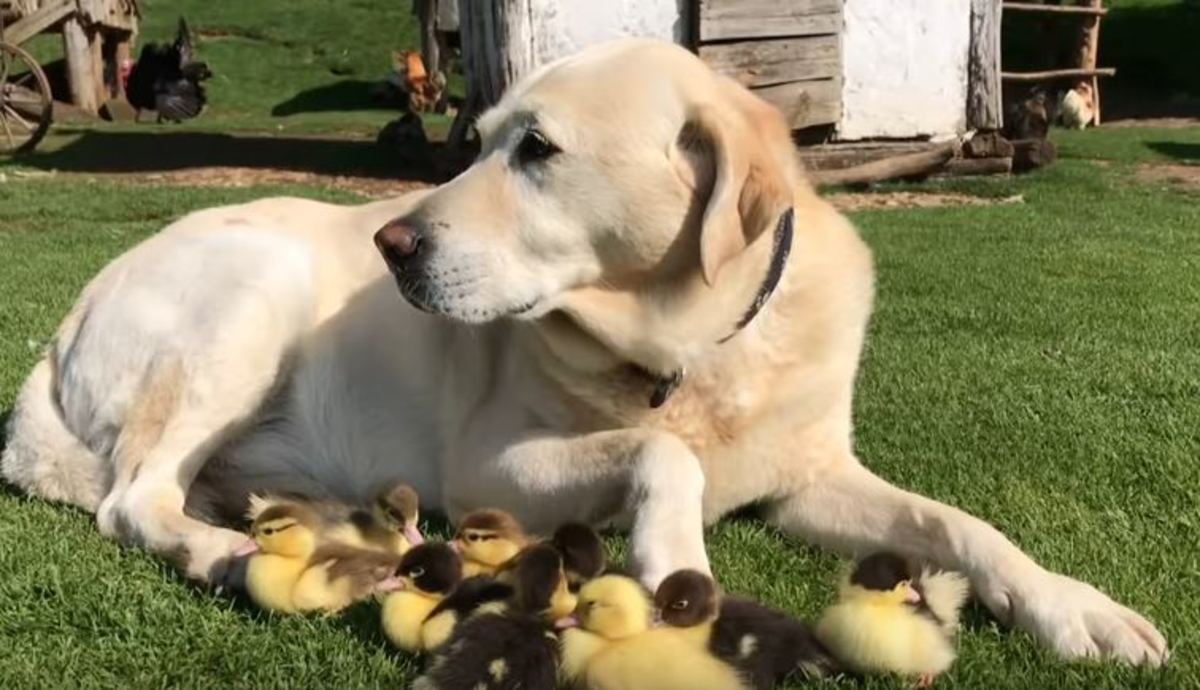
<point x="372" y="187"/>
<point x="850" y="201"/>
<point x="1187" y="176"/>
<point x="1159" y="122"/>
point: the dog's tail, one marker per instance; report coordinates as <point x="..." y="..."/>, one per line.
<point x="41" y="455"/>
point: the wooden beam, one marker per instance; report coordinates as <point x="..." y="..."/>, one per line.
<point x="81" y="72"/>
<point x="1054" y="9"/>
<point x="33" y="24"/>
<point x="775" y="61"/>
<point x="732" y="19"/>
<point x="806" y="103"/>
<point x="985" y="108"/>
<point x="850" y="154"/>
<point x="978" y="166"/>
<point x="908" y="165"/>
<point x="1058" y="74"/>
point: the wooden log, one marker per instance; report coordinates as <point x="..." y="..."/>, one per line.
<point x="850" y="154"/>
<point x="978" y="166"/>
<point x="988" y="145"/>
<point x="909" y="165"/>
<point x="775" y="61"/>
<point x="985" y="107"/>
<point x="732" y="19"/>
<point x="78" y="50"/>
<point x="806" y="103"/>
<point x="1058" y="74"/>
<point x="1029" y="154"/>
<point x="1054" y="9"/>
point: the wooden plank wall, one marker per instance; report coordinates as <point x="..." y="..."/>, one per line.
<point x="786" y="51"/>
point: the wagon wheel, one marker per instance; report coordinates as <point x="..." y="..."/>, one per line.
<point x="25" y="102"/>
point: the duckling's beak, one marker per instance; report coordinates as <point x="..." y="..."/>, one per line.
<point x="912" y="595"/>
<point x="456" y="547"/>
<point x="390" y="584"/>
<point x="249" y="547"/>
<point x="412" y="534"/>
<point x="566" y="622"/>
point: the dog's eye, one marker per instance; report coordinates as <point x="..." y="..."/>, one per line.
<point x="535" y="147"/>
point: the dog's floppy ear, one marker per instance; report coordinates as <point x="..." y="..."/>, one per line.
<point x="750" y="188"/>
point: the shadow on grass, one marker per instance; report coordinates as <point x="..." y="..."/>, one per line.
<point x="145" y="152"/>
<point x="1179" y="150"/>
<point x="349" y="94"/>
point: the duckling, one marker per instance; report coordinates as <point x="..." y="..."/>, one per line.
<point x="615" y="647"/>
<point x="282" y="538"/>
<point x="583" y="554"/>
<point x="426" y="574"/>
<point x="765" y="645"/>
<point x="473" y="594"/>
<point x="887" y="620"/>
<point x="511" y="645"/>
<point x="487" y="539"/>
<point x="397" y="507"/>
<point x="339" y="575"/>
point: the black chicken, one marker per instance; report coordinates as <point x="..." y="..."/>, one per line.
<point x="166" y="79"/>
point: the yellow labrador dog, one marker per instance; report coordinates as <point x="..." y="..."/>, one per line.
<point x="631" y="310"/>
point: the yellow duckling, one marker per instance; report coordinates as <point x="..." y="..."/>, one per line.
<point x="487" y="539"/>
<point x="615" y="647"/>
<point x="289" y="571"/>
<point x="508" y="645"/>
<point x="766" y="646"/>
<point x="887" y="620"/>
<point x="390" y="525"/>
<point x="427" y="574"/>
<point x="282" y="538"/>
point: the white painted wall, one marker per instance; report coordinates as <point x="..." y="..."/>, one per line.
<point x="565" y="26"/>
<point x="905" y="68"/>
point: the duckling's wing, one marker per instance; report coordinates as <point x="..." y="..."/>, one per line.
<point x="362" y="569"/>
<point x="472" y="593"/>
<point x="499" y="652"/>
<point x="944" y="594"/>
<point x="767" y="645"/>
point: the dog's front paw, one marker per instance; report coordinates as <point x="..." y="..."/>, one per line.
<point x="209" y="557"/>
<point x="1077" y="620"/>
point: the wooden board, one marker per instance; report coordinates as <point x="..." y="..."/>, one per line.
<point x="732" y="19"/>
<point x="806" y="103"/>
<point x="776" y="61"/>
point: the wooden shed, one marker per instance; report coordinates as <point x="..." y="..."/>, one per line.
<point x="843" y="69"/>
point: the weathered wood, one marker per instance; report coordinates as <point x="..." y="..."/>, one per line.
<point x="775" y="61"/>
<point x="38" y="21"/>
<point x="1058" y="74"/>
<point x="117" y="15"/>
<point x="908" y="165"/>
<point x="978" y="166"/>
<point x="81" y="73"/>
<point x="985" y="108"/>
<point x="731" y="19"/>
<point x="988" y="145"/>
<point x="850" y="154"/>
<point x="1054" y="9"/>
<point x="1089" y="47"/>
<point x="806" y="103"/>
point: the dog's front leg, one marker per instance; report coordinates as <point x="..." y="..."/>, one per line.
<point x="650" y="477"/>
<point x="850" y="509"/>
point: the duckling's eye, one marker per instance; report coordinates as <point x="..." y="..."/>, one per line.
<point x="268" y="531"/>
<point x="679" y="605"/>
<point x="535" y="147"/>
<point x="416" y="572"/>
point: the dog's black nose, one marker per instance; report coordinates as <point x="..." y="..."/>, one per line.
<point x="400" y="244"/>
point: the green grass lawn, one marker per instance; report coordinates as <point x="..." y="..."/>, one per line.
<point x="1037" y="364"/>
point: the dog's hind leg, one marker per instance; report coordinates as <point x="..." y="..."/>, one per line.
<point x="851" y="510"/>
<point x="42" y="456"/>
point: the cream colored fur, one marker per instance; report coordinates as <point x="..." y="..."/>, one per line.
<point x="264" y="347"/>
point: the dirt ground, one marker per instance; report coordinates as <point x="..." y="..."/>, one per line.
<point x="1171" y="173"/>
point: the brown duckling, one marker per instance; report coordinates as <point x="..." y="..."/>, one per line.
<point x="510" y="646"/>
<point x="583" y="553"/>
<point x="765" y="645"/>
<point x="426" y="574"/>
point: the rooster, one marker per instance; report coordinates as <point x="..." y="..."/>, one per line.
<point x="167" y="79"/>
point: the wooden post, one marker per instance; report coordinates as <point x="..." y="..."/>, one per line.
<point x="80" y="46"/>
<point x="497" y="50"/>
<point x="984" y="106"/>
<point x="1089" y="45"/>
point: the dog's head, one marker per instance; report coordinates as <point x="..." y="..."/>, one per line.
<point x="627" y="168"/>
